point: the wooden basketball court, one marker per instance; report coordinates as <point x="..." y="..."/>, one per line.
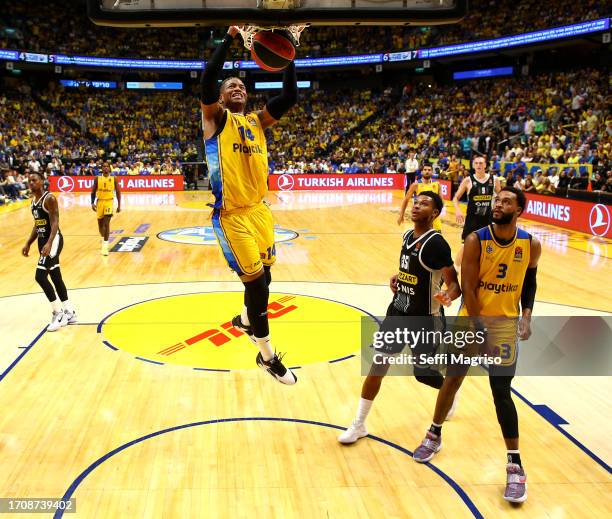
<point x="141" y="410"/>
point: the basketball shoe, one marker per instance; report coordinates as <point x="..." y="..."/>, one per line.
<point x="71" y="317"/>
<point x="431" y="444"/>
<point x="516" y="483"/>
<point x="275" y="367"/>
<point x="247" y="330"/>
<point x="58" y="320"/>
<point x="353" y="433"/>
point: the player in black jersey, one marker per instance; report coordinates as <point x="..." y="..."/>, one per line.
<point x="480" y="187"/>
<point x="425" y="262"/>
<point x="50" y="243"/>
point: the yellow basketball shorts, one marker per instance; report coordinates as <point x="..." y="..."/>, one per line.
<point x="246" y="237"/>
<point x="104" y="208"/>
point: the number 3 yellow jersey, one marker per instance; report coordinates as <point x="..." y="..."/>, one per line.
<point x="237" y="160"/>
<point x="502" y="273"/>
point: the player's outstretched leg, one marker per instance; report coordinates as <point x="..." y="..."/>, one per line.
<point x="257" y="293"/>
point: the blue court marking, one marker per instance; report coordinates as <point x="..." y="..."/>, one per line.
<point x="286" y="243"/>
<point x="117" y="231"/>
<point x="303" y="230"/>
<point x="342" y="358"/>
<point x="101" y="323"/>
<point x="311" y="237"/>
<point x="143" y="227"/>
<point x="149" y="360"/>
<point x="106" y="343"/>
<point x="81" y="477"/>
<point x="549" y="414"/>
<point x="21" y="355"/>
<point x="212" y="369"/>
<point x="546" y="414"/>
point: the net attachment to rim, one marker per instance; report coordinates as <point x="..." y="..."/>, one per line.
<point x="248" y="32"/>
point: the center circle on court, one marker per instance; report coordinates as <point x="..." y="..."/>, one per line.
<point x="195" y="330"/>
<point x="205" y="235"/>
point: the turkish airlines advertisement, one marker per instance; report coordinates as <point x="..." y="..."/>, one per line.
<point x="68" y="184"/>
<point x="580" y="216"/>
<point x="312" y="182"/>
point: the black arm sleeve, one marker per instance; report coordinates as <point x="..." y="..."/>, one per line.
<point x="209" y="87"/>
<point x="530" y="286"/>
<point x="280" y="105"/>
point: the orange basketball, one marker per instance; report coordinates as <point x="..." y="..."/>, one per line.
<point x="273" y="50"/>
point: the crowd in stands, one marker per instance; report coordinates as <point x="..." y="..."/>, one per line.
<point x="545" y="120"/>
<point x="558" y="123"/>
<point x="133" y="125"/>
<point x="63" y="27"/>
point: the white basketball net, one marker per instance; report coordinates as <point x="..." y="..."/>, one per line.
<point x="248" y="32"/>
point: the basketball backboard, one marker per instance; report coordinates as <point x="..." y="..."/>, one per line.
<point x="169" y="13"/>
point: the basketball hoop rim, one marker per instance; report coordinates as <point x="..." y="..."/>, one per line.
<point x="248" y="32"/>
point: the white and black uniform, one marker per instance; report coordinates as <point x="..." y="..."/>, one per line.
<point x="42" y="221"/>
<point x="419" y="279"/>
<point x="480" y="205"/>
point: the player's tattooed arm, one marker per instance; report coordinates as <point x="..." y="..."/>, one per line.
<point x="94" y="190"/>
<point x="53" y="210"/>
<point x="470" y="267"/>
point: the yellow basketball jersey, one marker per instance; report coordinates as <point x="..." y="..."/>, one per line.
<point x="238" y="162"/>
<point x="435" y="187"/>
<point x="502" y="273"/>
<point x="106" y="187"/>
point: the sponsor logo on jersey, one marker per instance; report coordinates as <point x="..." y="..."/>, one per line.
<point x="482" y="198"/>
<point x="245" y="148"/>
<point x="251" y="121"/>
<point x="206" y="236"/>
<point x="40" y="222"/>
<point x="518" y="253"/>
<point x="498" y="288"/>
<point x="489" y="248"/>
<point x="404" y="277"/>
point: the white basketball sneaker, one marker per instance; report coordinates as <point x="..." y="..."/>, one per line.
<point x="71" y="317"/>
<point x="353" y="433"/>
<point x="58" y="320"/>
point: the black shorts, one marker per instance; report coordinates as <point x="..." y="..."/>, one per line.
<point x="395" y="320"/>
<point x="51" y="261"/>
<point x="473" y="224"/>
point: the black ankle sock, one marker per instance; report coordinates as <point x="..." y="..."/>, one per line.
<point x="436" y="429"/>
<point x="514" y="457"/>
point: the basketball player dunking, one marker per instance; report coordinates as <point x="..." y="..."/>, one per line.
<point x="237" y="159"/>
<point x="425" y="262"/>
<point x="480" y="187"/>
<point x="103" y="189"/>
<point x="418" y="186"/>
<point x="497" y="274"/>
<point x="50" y="243"/>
